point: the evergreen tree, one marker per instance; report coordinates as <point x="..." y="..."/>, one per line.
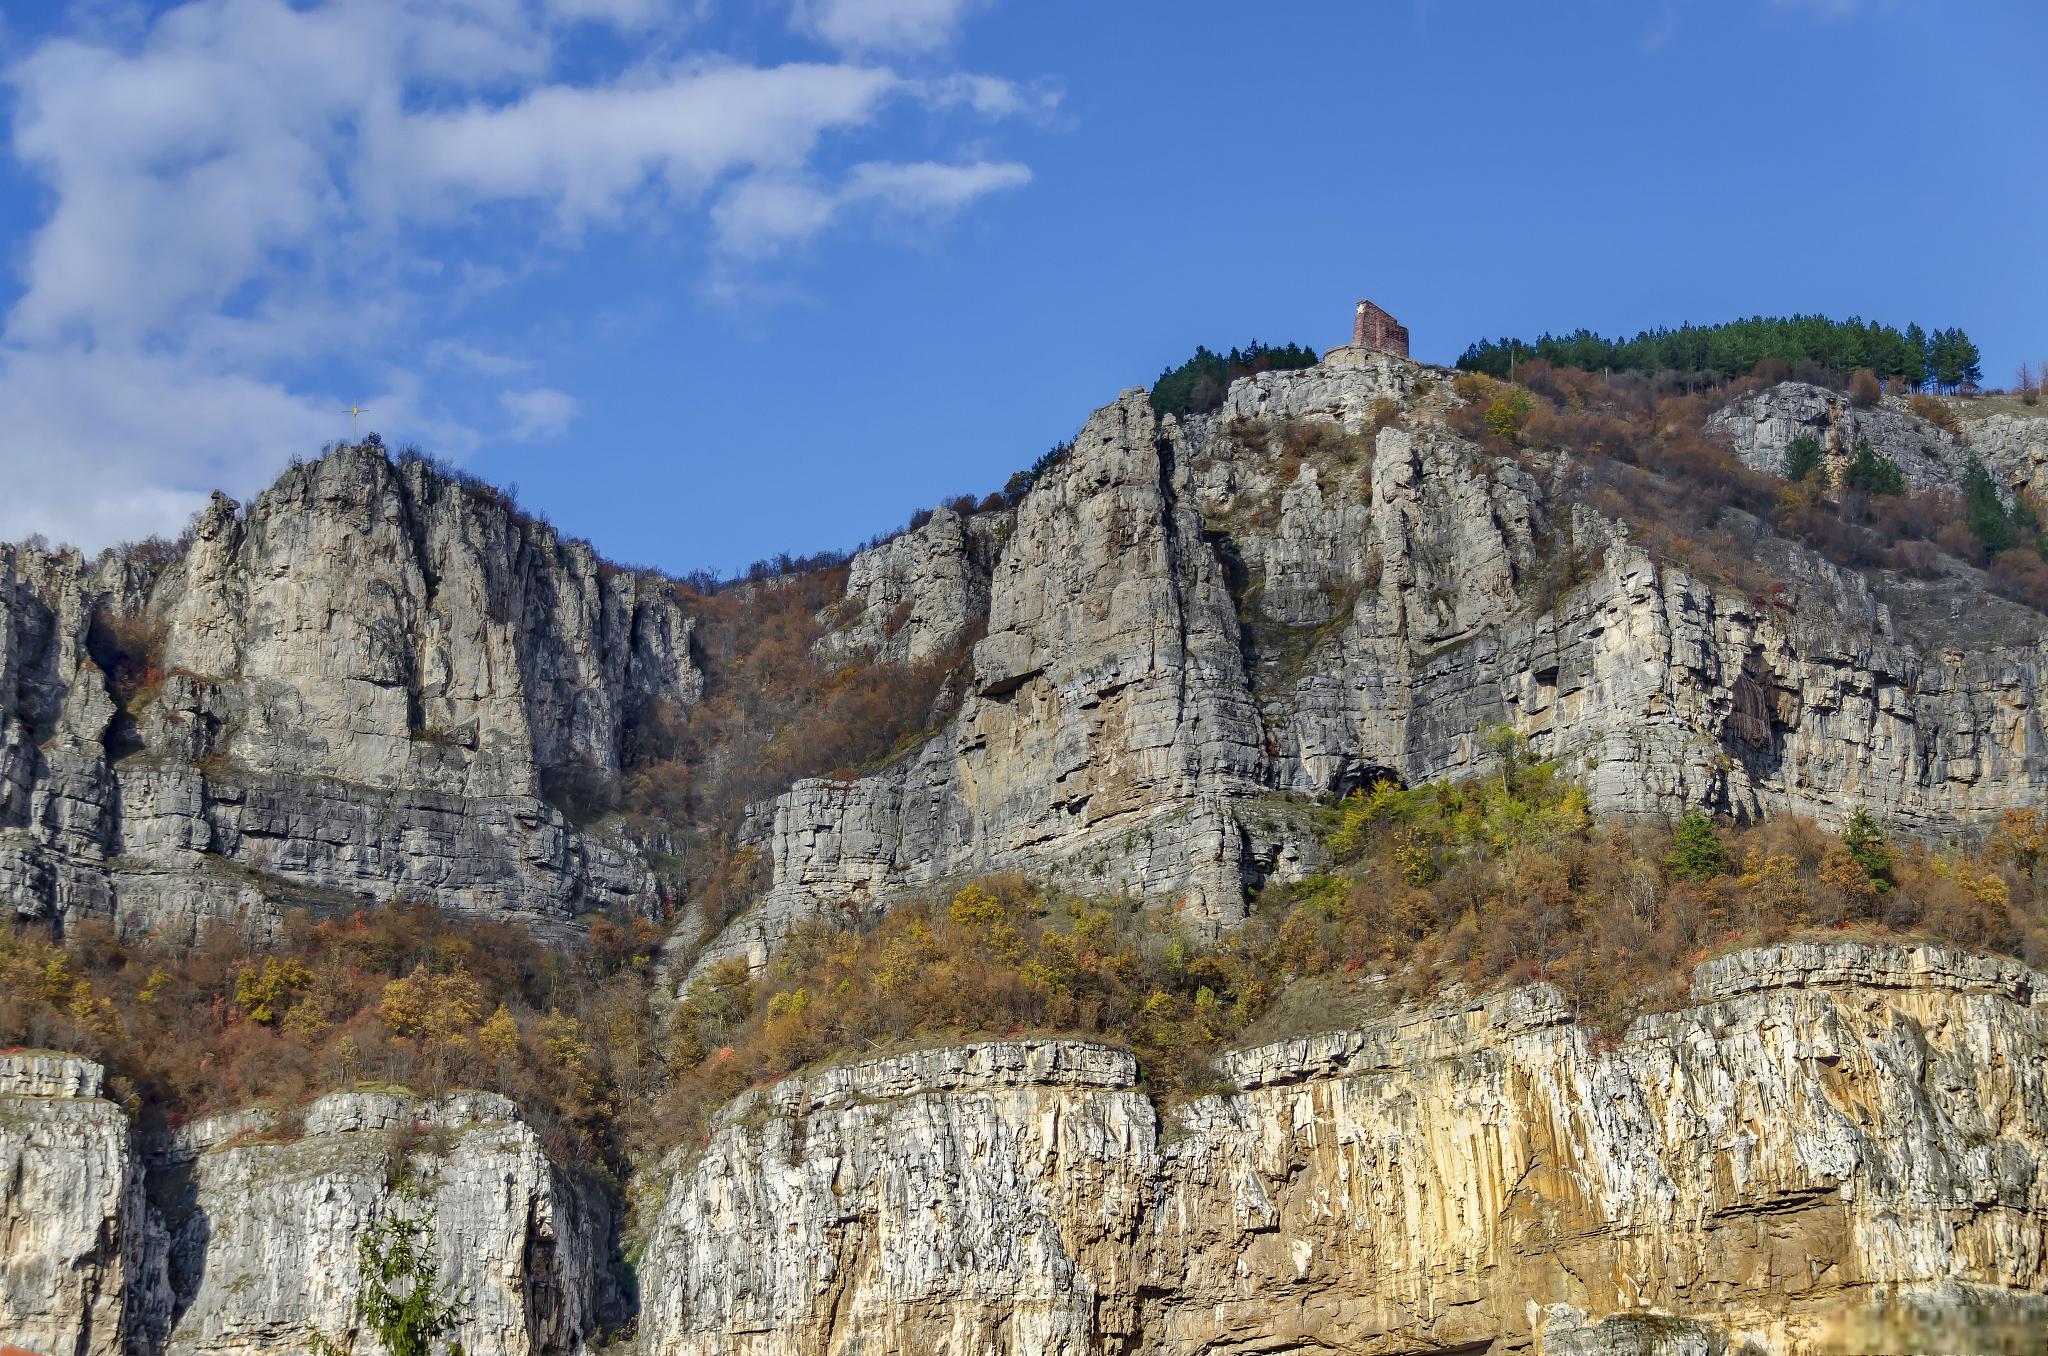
<point x="1989" y="520"/>
<point x="1872" y="472"/>
<point x="1865" y="845"/>
<point x="1915" y="370"/>
<point x="1944" y="359"/>
<point x="1969" y="371"/>
<point x="402" y="1300"/>
<point x="1696" y="851"/>
<point x="1803" y="458"/>
<point x="1729" y="350"/>
<point x="1199" y="384"/>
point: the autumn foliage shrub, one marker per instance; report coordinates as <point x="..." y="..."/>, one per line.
<point x="1935" y="411"/>
<point x="397" y="995"/>
<point x="774" y="710"/>
<point x="1500" y="879"/>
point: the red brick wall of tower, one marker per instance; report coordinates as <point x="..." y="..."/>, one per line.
<point x="1374" y="328"/>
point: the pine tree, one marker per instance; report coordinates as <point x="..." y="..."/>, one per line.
<point x="1916" y="342"/>
<point x="1865" y="844"/>
<point x="1986" y="513"/>
<point x="1872" y="472"/>
<point x="1803" y="458"/>
<point x="402" y="1300"/>
<point x="1696" y="851"/>
<point x="1969" y="371"/>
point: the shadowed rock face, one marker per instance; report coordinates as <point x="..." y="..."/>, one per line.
<point x="1183" y="619"/>
<point x="369" y="685"/>
<point x="1824" y="1125"/>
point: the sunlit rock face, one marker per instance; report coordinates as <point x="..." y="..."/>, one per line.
<point x="377" y="682"/>
<point x="1189" y="616"/>
<point x="238" y="1235"/>
<point x="1824" y="1130"/>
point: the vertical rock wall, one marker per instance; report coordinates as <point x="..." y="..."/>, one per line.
<point x="1825" y="1127"/>
<point x="376" y="682"/>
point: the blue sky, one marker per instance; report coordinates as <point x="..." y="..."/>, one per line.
<point x="712" y="280"/>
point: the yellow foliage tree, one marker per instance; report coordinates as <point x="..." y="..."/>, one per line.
<point x="437" y="1009"/>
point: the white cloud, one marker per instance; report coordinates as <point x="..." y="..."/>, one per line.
<point x="766" y="214"/>
<point x="630" y="15"/>
<point x="106" y="447"/>
<point x="993" y="97"/>
<point x="882" y="25"/>
<point x="467" y="357"/>
<point x="585" y="150"/>
<point x="541" y="412"/>
<point x="242" y="195"/>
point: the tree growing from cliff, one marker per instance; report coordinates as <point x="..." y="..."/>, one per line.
<point x="401" y="1300"/>
<point x="1872" y="472"/>
<point x="1802" y="457"/>
<point x="1995" y="527"/>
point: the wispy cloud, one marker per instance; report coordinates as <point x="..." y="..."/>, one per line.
<point x="765" y="214"/>
<point x="245" y="192"/>
<point x="541" y="412"/>
<point x="882" y="25"/>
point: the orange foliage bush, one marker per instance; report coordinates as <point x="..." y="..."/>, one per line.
<point x="403" y="995"/>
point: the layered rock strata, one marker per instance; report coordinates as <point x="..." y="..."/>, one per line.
<point x="238" y="1235"/>
<point x="1825" y="1128"/>
<point x="79" y="1265"/>
<point x="1190" y="615"/>
<point x="377" y="682"/>
<point x="917" y="597"/>
<point x="263" y="1224"/>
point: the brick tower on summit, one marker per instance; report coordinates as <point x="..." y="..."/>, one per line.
<point x="1374" y="329"/>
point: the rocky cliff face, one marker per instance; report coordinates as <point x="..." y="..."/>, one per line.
<point x="1824" y="1126"/>
<point x="237" y="1236"/>
<point x="1763" y="424"/>
<point x="80" y="1266"/>
<point x="263" y="1225"/>
<point x="376" y="682"/>
<point x="1190" y="615"/>
<point x="916" y="597"/>
<point x="1760" y="426"/>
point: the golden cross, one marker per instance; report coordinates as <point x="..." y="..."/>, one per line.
<point x="354" y="411"/>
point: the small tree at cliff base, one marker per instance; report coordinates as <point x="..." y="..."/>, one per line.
<point x="401" y="1301"/>
<point x="1696" y="851"/>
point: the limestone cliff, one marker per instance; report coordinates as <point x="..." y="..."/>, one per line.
<point x="370" y="684"/>
<point x="1189" y="616"/>
<point x="1763" y="424"/>
<point x="237" y="1236"/>
<point x="263" y="1223"/>
<point x="1824" y="1128"/>
<point x="80" y="1267"/>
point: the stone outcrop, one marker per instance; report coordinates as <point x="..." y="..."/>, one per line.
<point x="79" y="1266"/>
<point x="1106" y="720"/>
<point x="237" y="1235"/>
<point x="917" y="597"/>
<point x="1824" y="1129"/>
<point x="1189" y="619"/>
<point x="377" y="682"/>
<point x="2015" y="448"/>
<point x="263" y="1223"/>
<point x="1763" y="424"/>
